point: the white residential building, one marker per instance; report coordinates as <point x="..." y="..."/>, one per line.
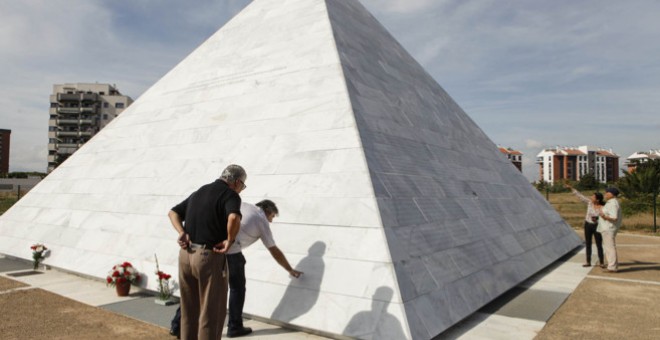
<point x="641" y="157"/>
<point x="77" y="112"/>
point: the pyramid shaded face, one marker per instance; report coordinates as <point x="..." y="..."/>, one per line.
<point x="400" y="211"/>
<point x="462" y="224"/>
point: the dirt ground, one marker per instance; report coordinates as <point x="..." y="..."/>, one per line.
<point x="38" y="314"/>
<point x="623" y="305"/>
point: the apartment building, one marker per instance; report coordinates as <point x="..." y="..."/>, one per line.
<point x="572" y="163"/>
<point x="5" y="136"/>
<point x="77" y="112"/>
<point x="514" y="156"/>
<point x="640" y="157"/>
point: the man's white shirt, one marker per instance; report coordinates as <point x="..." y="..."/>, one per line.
<point x="254" y="226"/>
<point x="612" y="209"/>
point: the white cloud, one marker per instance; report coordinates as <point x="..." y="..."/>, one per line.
<point x="533" y="144"/>
<point x="402" y="6"/>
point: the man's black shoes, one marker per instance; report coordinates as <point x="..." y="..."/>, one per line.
<point x="233" y="333"/>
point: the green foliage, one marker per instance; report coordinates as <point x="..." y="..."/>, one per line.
<point x="556" y="187"/>
<point x="641" y="184"/>
<point x="632" y="207"/>
<point x="641" y="187"/>
<point x="6" y="202"/>
<point x="587" y="182"/>
<point x="25" y="174"/>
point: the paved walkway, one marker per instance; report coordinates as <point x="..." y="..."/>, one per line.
<point x="520" y="313"/>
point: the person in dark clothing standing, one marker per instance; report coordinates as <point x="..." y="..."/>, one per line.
<point x="594" y="205"/>
<point x="212" y="219"/>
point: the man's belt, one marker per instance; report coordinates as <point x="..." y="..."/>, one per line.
<point x="196" y="246"/>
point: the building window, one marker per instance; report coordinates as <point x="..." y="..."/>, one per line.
<point x="106" y="104"/>
<point x="105" y="117"/>
<point x="119" y="105"/>
<point x="53" y="104"/>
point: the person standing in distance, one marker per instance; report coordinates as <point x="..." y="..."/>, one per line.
<point x="594" y="205"/>
<point x="608" y="225"/>
<point x="254" y="225"/>
<point x="212" y="218"/>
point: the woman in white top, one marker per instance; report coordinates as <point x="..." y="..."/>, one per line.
<point x="594" y="205"/>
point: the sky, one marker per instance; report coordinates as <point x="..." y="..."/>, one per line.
<point x="532" y="74"/>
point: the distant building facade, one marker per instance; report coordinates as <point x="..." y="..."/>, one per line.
<point x="77" y="112"/>
<point x="572" y="163"/>
<point x="640" y="157"/>
<point x="5" y="138"/>
<point x="514" y="156"/>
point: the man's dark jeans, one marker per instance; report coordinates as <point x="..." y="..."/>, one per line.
<point x="236" y="263"/>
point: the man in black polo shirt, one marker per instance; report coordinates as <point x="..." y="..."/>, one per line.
<point x="212" y="218"/>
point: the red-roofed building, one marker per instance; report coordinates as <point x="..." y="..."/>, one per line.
<point x="514" y="156"/>
<point x="572" y="163"/>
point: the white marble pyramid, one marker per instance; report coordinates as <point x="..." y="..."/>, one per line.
<point x="399" y="209"/>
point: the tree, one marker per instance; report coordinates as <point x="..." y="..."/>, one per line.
<point x="642" y="183"/>
<point x="587" y="182"/>
<point x="642" y="186"/>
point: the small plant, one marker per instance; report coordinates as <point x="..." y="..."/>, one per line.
<point x="164" y="289"/>
<point x="38" y="254"/>
<point x="122" y="273"/>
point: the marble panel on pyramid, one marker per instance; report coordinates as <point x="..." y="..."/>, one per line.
<point x="400" y="211"/>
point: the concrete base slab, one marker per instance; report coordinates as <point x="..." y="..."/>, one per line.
<point x="11" y="265"/>
<point x="494" y="327"/>
<point x="145" y="309"/>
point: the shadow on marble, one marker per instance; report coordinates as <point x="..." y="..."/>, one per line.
<point x="300" y="298"/>
<point x="376" y="323"/>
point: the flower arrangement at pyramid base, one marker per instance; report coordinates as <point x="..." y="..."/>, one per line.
<point x="122" y="276"/>
<point x="164" y="288"/>
<point x="39" y="252"/>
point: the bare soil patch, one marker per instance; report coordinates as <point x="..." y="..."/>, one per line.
<point x="38" y="314"/>
<point x="600" y="309"/>
<point x="7" y="284"/>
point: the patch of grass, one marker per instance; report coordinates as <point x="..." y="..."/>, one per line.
<point x="6" y="201"/>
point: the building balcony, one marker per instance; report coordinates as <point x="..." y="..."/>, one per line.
<point x="69" y="110"/>
<point x="68" y="97"/>
<point x="66" y="148"/>
<point x="52" y="158"/>
<point x="88" y="109"/>
<point x="86" y="122"/>
<point x="67" y="122"/>
<point x="89" y="97"/>
<point x="68" y="133"/>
